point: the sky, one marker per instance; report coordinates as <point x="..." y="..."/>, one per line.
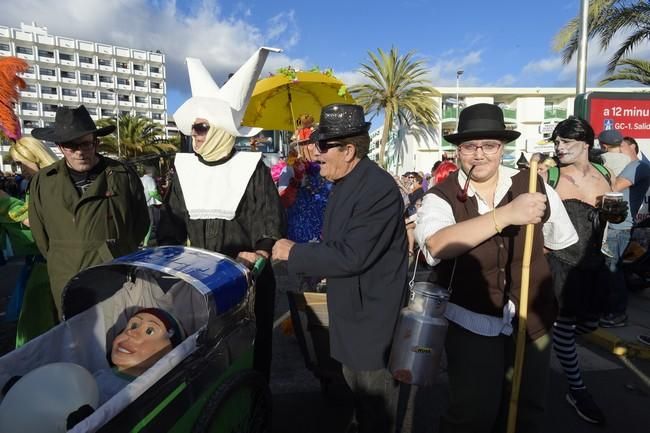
<point x="504" y="43"/>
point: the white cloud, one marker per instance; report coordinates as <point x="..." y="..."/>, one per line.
<point x="443" y="71"/>
<point x="222" y="42"/>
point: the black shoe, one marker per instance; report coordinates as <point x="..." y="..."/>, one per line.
<point x="645" y="339"/>
<point x="585" y="406"/>
<point x="613" y="320"/>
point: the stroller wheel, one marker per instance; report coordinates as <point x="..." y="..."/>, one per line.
<point x="241" y="404"/>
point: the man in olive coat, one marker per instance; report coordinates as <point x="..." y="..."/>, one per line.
<point x="85" y="209"/>
<point x="364" y="256"/>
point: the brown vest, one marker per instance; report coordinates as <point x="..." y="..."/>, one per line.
<point x="490" y="273"/>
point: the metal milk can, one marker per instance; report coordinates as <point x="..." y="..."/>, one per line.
<point x="420" y="335"/>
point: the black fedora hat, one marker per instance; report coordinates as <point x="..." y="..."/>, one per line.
<point x="481" y="121"/>
<point x="340" y="121"/>
<point x="70" y="124"/>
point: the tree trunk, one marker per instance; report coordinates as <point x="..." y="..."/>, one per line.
<point x="388" y="113"/>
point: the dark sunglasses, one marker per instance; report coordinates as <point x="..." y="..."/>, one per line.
<point x="201" y="128"/>
<point x="324" y="146"/>
<point x="85" y="145"/>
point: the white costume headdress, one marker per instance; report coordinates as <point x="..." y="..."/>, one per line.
<point x="222" y="107"/>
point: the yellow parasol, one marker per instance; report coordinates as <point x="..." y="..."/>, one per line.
<point x="279" y="100"/>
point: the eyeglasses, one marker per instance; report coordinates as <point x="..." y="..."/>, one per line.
<point x="201" y="128"/>
<point x="84" y="145"/>
<point x="324" y="146"/>
<point x="471" y="148"/>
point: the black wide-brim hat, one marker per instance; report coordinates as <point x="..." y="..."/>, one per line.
<point x="70" y="124"/>
<point x="340" y="121"/>
<point x="482" y="121"/>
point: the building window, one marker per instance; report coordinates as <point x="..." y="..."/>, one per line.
<point x="156" y="116"/>
<point x="30" y="70"/>
<point x="85" y="59"/>
<point x="155" y="85"/>
<point x="92" y="111"/>
<point x="155" y="101"/>
<point x="29" y="106"/>
<point x="141" y="114"/>
<point x="123" y="81"/>
<point x="30" y="123"/>
<point x="124" y="98"/>
<point x="24" y="50"/>
<point x="104" y="95"/>
<point x="87" y="77"/>
<point x="45" y="53"/>
<point x="4" y="47"/>
<point x="105" y="62"/>
<point x="138" y="67"/>
<point x="105" y="79"/>
<point x="141" y="99"/>
<point x="123" y="65"/>
<point x="154" y="69"/>
<point x="48" y="90"/>
<point x="87" y="94"/>
<point x="49" y="107"/>
<point x="48" y="72"/>
<point x="69" y="92"/>
<point x="65" y="56"/>
<point x="107" y="113"/>
<point x="125" y="113"/>
<point x="68" y="74"/>
<point x="30" y="88"/>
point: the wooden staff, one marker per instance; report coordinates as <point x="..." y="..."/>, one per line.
<point x="523" y="306"/>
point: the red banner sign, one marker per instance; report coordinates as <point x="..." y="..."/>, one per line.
<point x="629" y="116"/>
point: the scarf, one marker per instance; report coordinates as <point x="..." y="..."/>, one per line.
<point x="218" y="144"/>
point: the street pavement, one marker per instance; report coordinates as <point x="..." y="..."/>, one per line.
<point x="301" y="406"/>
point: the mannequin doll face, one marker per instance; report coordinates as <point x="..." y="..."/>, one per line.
<point x="143" y="342"/>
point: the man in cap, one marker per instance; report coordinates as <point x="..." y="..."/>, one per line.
<point x="610" y="142"/>
<point x="85" y="209"/>
<point x="580" y="276"/>
<point x="470" y="229"/>
<point x="363" y="255"/>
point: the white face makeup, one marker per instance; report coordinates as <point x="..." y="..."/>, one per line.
<point x="569" y="150"/>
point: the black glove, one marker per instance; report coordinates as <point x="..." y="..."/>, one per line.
<point x="615" y="212"/>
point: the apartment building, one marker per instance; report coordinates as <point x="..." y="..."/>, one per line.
<point x="533" y="111"/>
<point x="107" y="79"/>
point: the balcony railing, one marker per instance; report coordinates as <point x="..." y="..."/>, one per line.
<point x="449" y="114"/>
<point x="555" y="114"/>
<point x="509" y="115"/>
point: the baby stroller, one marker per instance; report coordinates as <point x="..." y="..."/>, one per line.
<point x="204" y="384"/>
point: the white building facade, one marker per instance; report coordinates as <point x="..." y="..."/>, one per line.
<point x="532" y="111"/>
<point x="63" y="71"/>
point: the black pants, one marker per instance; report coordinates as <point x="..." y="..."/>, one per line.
<point x="375" y="395"/>
<point x="264" y="310"/>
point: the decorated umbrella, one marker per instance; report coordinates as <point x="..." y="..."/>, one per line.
<point x="279" y="100"/>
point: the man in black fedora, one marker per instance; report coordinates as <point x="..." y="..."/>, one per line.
<point x="470" y="227"/>
<point x="363" y="255"/>
<point x="85" y="209"/>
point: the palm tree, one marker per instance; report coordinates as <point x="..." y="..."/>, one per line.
<point x="606" y="18"/>
<point x="398" y="87"/>
<point x="632" y="70"/>
<point x="138" y="136"/>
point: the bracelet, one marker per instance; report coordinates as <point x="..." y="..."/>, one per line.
<point x="494" y="218"/>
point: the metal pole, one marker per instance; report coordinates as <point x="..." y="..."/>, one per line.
<point x="458" y="74"/>
<point x="119" y="147"/>
<point x="581" y="78"/>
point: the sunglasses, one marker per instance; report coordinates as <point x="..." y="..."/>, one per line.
<point x="201" y="128"/>
<point x="84" y="145"/>
<point x="324" y="146"/>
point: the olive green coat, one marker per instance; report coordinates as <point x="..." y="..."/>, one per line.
<point x="75" y="232"/>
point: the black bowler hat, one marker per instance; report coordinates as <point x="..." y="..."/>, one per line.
<point x="482" y="121"/>
<point x="70" y="124"/>
<point x="340" y="121"/>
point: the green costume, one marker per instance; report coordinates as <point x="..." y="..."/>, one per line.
<point x="37" y="313"/>
<point x="75" y="231"/>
